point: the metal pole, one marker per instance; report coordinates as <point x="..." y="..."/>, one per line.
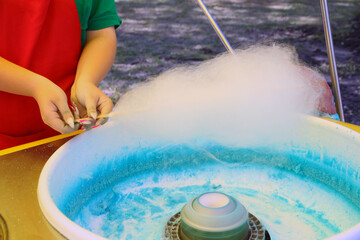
<point x="329" y="47"/>
<point x="216" y="27"/>
<point x="331" y="56"/>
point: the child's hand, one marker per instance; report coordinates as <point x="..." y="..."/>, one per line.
<point x="95" y="61"/>
<point x="54" y="108"/>
<point x="91" y="101"/>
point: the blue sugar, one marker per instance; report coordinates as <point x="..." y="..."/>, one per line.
<point x="289" y="205"/>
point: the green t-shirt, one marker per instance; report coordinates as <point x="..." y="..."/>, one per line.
<point x="95" y="15"/>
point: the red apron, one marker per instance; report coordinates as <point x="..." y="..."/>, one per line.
<point x="43" y="36"/>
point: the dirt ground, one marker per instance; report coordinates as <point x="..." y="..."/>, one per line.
<point x="157" y="35"/>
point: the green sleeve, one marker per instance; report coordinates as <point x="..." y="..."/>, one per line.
<point x="95" y="15"/>
<point x="103" y="14"/>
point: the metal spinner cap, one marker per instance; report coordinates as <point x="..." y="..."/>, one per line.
<point x="214" y="215"/>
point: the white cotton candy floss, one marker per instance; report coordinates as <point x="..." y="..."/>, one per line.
<point x="257" y="90"/>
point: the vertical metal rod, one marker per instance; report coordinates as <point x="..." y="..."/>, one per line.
<point x="216" y="27"/>
<point x="329" y="47"/>
<point x="332" y="61"/>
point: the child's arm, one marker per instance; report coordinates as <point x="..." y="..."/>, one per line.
<point x="95" y="61"/>
<point x="50" y="98"/>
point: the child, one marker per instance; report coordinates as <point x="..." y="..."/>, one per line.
<point x="51" y="51"/>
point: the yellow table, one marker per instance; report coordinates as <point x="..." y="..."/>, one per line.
<point x="20" y="169"/>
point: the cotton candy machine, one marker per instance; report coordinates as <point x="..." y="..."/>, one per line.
<point x="252" y="182"/>
<point x="115" y="182"/>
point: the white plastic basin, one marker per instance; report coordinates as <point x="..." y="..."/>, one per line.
<point x="97" y="152"/>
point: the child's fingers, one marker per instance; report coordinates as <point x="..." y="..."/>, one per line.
<point x="105" y="108"/>
<point x="55" y="121"/>
<point x="75" y="110"/>
<point x="64" y="128"/>
<point x="91" y="109"/>
<point x="79" y="108"/>
<point x="101" y="121"/>
<point x="66" y="115"/>
<point x="76" y="114"/>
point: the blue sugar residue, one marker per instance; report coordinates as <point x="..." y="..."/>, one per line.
<point x="327" y="115"/>
<point x="289" y="205"/>
<point x="293" y="194"/>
